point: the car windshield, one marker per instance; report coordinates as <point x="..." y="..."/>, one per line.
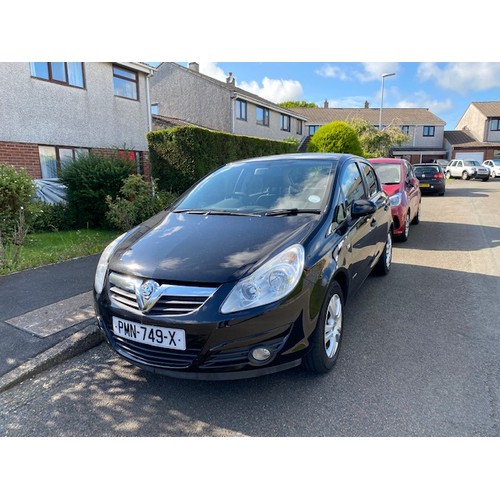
<point x="389" y="173"/>
<point x="421" y="171"/>
<point x="472" y="163"/>
<point x="259" y="186"/>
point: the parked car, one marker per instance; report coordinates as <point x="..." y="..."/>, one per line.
<point x="442" y="163"/>
<point x="400" y="184"/>
<point x="431" y="178"/>
<point x="249" y="271"/>
<point x="493" y="166"/>
<point x="467" y="169"/>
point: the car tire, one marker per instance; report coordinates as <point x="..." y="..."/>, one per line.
<point x="493" y="175"/>
<point x="465" y="175"/>
<point x="383" y="266"/>
<point x="416" y="219"/>
<point x="327" y="336"/>
<point x="447" y="174"/>
<point x="486" y="179"/>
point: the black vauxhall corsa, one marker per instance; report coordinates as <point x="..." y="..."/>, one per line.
<point x="248" y="272"/>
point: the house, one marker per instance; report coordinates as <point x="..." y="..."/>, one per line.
<point x="183" y="95"/>
<point x="477" y="134"/>
<point x="52" y="112"/>
<point x="425" y="130"/>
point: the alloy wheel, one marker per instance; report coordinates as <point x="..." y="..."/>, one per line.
<point x="333" y="326"/>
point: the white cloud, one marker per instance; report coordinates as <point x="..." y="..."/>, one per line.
<point x="375" y="70"/>
<point x="272" y="90"/>
<point x="462" y="77"/>
<point x="275" y="90"/>
<point x="211" y="69"/>
<point x="422" y="100"/>
<point x="329" y="71"/>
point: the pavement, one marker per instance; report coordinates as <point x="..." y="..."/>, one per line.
<point x="46" y="316"/>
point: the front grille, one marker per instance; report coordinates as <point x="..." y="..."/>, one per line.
<point x="174" y="300"/>
<point x="155" y="356"/>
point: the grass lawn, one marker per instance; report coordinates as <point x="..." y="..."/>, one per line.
<point x="47" y="248"/>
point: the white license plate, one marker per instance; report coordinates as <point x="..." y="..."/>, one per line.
<point x="168" y="338"/>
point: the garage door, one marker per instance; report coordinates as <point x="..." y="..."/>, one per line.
<point x="470" y="156"/>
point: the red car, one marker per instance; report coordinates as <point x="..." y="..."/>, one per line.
<point x="402" y="186"/>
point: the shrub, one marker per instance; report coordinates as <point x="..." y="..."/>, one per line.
<point x="335" y="137"/>
<point x="138" y="201"/>
<point x="49" y="217"/>
<point x="180" y="156"/>
<point x="89" y="180"/>
<point x="16" y="192"/>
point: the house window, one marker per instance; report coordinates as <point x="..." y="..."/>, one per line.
<point x="54" y="158"/>
<point x="262" y="116"/>
<point x="495" y="124"/>
<point x="405" y="129"/>
<point x="285" y="123"/>
<point x="64" y="73"/>
<point x="241" y="110"/>
<point x="299" y="127"/>
<point x="154" y="108"/>
<point x="313" y="129"/>
<point x="429" y="131"/>
<point x="125" y="83"/>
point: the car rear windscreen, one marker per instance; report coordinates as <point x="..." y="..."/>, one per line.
<point x="427" y="171"/>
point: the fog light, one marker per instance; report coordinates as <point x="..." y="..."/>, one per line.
<point x="260" y="354"/>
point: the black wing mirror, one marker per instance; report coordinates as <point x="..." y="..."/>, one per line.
<point x="361" y="208"/>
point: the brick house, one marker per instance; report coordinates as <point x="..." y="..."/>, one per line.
<point x="51" y="113"/>
<point x="183" y="95"/>
<point x="424" y="129"/>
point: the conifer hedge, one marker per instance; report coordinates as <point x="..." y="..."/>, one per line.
<point x="181" y="156"/>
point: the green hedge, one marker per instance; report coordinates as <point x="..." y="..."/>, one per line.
<point x="181" y="156"/>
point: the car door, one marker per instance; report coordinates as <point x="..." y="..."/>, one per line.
<point x="358" y="235"/>
<point x="412" y="189"/>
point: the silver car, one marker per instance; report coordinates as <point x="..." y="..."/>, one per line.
<point x="467" y="169"/>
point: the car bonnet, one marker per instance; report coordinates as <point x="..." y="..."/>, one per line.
<point x="194" y="248"/>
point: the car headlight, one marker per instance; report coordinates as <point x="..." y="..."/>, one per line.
<point x="395" y="199"/>
<point x="271" y="282"/>
<point x="102" y="266"/>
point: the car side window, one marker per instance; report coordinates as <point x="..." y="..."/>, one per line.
<point x="371" y="179"/>
<point x="351" y="189"/>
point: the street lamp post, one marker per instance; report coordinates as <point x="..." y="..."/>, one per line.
<point x="384" y="76"/>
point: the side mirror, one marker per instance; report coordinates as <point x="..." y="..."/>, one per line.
<point x="360" y="208"/>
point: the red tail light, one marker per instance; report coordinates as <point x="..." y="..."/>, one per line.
<point x="438" y="176"/>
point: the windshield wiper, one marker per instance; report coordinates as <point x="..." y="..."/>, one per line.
<point x="214" y="212"/>
<point x="292" y="211"/>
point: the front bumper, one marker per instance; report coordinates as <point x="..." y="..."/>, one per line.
<point x="398" y="213"/>
<point x="218" y="347"/>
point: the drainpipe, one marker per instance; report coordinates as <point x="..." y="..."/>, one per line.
<point x="233" y="111"/>
<point x="148" y="103"/>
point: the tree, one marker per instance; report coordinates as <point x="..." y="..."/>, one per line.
<point x="377" y="143"/>
<point x="335" y="137"/>
<point x="297" y="104"/>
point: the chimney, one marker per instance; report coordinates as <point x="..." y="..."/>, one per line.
<point x="325" y="104"/>
<point x="230" y="78"/>
<point x="193" y="66"/>
<point x="367" y="104"/>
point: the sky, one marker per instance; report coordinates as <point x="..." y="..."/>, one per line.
<point x="445" y="88"/>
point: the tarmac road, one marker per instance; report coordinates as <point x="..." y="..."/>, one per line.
<point x="421" y="357"/>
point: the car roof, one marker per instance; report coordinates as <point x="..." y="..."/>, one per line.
<point x="386" y="160"/>
<point x="302" y="156"/>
